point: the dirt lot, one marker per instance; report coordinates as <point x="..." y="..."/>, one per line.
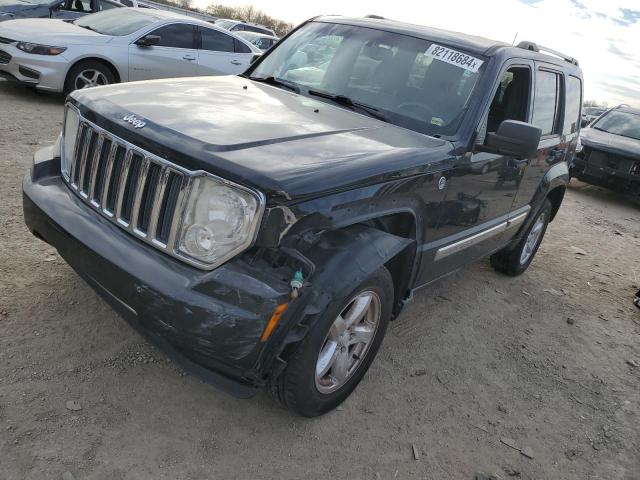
<point x="546" y="360"/>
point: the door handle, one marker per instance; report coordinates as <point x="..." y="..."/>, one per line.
<point x="189" y="57"/>
<point x="236" y="62"/>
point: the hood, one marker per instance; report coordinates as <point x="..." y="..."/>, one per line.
<point x="260" y="135"/>
<point x="50" y="31"/>
<point x="609" y="142"/>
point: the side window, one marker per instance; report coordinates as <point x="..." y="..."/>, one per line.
<point x="216" y="41"/>
<point x="237" y="28"/>
<point x="240" y="47"/>
<point x="572" y="108"/>
<point x="177" y="35"/>
<point x="79" y="5"/>
<point x="511" y="100"/>
<point x="546" y="101"/>
<point x="127" y="3"/>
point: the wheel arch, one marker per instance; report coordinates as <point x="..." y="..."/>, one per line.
<point x="95" y="58"/>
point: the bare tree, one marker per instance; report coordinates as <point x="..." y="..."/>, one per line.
<point x="249" y="13"/>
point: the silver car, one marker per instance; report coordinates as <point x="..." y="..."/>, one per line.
<point x="119" y="45"/>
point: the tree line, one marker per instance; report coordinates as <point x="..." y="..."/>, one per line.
<point x="247" y="13"/>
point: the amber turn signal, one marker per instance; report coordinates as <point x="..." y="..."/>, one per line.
<point x="273" y="321"/>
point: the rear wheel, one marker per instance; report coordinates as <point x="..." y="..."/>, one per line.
<point x="330" y="362"/>
<point x="88" y="74"/>
<point x="516" y="260"/>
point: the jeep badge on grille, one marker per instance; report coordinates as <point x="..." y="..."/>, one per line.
<point x="135" y="121"/>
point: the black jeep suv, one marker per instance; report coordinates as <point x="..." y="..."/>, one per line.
<point x="609" y="152"/>
<point x="264" y="229"/>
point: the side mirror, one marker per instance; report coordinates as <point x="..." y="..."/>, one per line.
<point x="148" y="41"/>
<point x="514" y="138"/>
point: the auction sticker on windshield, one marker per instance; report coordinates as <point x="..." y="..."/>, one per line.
<point x="454" y="57"/>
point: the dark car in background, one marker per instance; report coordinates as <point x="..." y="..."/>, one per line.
<point x="63" y="9"/>
<point x="609" y="154"/>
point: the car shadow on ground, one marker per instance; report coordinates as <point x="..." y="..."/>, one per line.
<point x="24" y="92"/>
<point x="603" y="194"/>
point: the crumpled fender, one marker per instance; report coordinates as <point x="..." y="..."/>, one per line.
<point x="343" y="259"/>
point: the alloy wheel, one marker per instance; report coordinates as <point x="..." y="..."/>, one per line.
<point x="90" y="78"/>
<point x="532" y="239"/>
<point x="348" y="341"/>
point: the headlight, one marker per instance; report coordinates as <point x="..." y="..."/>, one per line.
<point x="69" y="135"/>
<point x="219" y="222"/>
<point x="40" y="49"/>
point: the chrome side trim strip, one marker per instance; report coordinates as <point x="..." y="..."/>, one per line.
<point x="460" y="245"/>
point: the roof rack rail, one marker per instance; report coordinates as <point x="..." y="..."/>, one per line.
<point x="539" y="48"/>
<point x="377" y="17"/>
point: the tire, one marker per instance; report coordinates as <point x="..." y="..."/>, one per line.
<point x="514" y="261"/>
<point x="88" y="74"/>
<point x="298" y="388"/>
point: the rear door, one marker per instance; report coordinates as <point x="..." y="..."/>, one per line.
<point x="549" y="95"/>
<point x="174" y="56"/>
<point x="220" y="53"/>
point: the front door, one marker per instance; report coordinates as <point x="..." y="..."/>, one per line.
<point x="481" y="187"/>
<point x="174" y="56"/>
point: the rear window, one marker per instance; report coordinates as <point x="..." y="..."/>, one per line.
<point x="572" y="108"/>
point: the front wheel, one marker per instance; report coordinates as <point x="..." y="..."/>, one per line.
<point x="88" y="74"/>
<point x="515" y="260"/>
<point x="330" y="362"/>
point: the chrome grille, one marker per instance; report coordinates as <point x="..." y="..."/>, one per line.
<point x="4" y="57"/>
<point x="138" y="191"/>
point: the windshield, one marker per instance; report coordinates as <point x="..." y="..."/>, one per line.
<point x="117" y="22"/>
<point x="408" y="81"/>
<point x="620" y="123"/>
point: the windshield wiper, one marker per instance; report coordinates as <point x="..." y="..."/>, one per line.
<point x="278" y="82"/>
<point x="348" y="102"/>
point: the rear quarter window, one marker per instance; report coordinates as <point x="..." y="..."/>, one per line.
<point x="572" y="108"/>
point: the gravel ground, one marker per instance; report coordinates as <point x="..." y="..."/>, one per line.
<point x="478" y="364"/>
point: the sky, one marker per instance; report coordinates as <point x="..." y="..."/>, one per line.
<point x="603" y="35"/>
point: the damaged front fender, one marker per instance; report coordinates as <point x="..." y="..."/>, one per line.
<point x="344" y="259"/>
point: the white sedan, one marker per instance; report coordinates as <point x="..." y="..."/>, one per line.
<point x="119" y="45"/>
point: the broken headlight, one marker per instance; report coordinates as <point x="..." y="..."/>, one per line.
<point x="220" y="221"/>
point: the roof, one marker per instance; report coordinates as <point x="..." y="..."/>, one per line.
<point x="467" y="42"/>
<point x="463" y="41"/>
<point x="628" y="109"/>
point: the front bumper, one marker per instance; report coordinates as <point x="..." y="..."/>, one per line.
<point x="209" y="322"/>
<point x="45" y="72"/>
<point x="607" y="170"/>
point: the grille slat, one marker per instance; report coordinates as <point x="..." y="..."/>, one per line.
<point x="138" y="191"/>
<point x="157" y="200"/>
<point x="121" y="185"/>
